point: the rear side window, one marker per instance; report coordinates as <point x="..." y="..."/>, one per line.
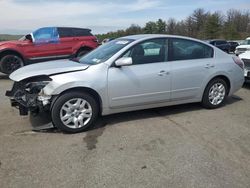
<point x="73" y="32"/>
<point x="221" y="42"/>
<point x="183" y="49"/>
<point x="65" y="32"/>
<point x="212" y="42"/>
<point x="81" y="32"/>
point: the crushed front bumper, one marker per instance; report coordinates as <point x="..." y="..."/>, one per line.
<point x="25" y="100"/>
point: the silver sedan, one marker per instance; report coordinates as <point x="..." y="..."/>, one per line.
<point x="126" y="74"/>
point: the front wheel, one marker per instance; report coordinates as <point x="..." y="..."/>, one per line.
<point x="74" y="112"/>
<point x="9" y="63"/>
<point x="215" y="94"/>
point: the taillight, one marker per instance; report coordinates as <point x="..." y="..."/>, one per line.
<point x="95" y="40"/>
<point x="239" y="62"/>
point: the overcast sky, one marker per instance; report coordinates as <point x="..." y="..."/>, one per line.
<point x="23" y="16"/>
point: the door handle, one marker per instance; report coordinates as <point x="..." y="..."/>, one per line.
<point x="163" y="72"/>
<point x="208" y="66"/>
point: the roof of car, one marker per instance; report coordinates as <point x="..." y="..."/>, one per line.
<point x="141" y="36"/>
<point x="145" y="36"/>
<point x="151" y="36"/>
<point x="74" y="28"/>
<point x="216" y="40"/>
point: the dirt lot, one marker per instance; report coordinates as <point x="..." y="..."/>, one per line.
<point x="181" y="146"/>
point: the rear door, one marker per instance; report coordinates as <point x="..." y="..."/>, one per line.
<point x="191" y="64"/>
<point x="146" y="81"/>
<point x="67" y="41"/>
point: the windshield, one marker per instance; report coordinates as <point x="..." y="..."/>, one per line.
<point x="105" y="51"/>
<point x="246" y="42"/>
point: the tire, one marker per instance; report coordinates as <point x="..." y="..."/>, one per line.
<point x="72" y="119"/>
<point x="81" y="53"/>
<point x="10" y="62"/>
<point x="209" y="97"/>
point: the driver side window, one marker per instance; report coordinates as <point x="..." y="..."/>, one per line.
<point x="150" y="51"/>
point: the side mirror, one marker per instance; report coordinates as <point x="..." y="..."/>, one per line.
<point x="124" y="61"/>
<point x="29" y="37"/>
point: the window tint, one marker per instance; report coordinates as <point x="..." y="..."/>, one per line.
<point x="65" y="32"/>
<point x="150" y="51"/>
<point x="212" y="42"/>
<point x="81" y="32"/>
<point x="45" y="35"/>
<point x="73" y="32"/>
<point x="182" y="49"/>
<point x="220" y="42"/>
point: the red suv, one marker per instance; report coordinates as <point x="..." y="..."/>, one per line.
<point x="45" y="44"/>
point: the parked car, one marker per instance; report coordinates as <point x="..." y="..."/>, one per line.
<point x="243" y="47"/>
<point x="245" y="57"/>
<point x="222" y="44"/>
<point x="107" y="40"/>
<point x="125" y="75"/>
<point x="233" y="46"/>
<point x="44" y="44"/>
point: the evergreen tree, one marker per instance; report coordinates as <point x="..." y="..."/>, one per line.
<point x="150" y="28"/>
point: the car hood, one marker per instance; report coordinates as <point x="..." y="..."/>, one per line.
<point x="245" y="55"/>
<point x="243" y="46"/>
<point x="11" y="42"/>
<point x="47" y="68"/>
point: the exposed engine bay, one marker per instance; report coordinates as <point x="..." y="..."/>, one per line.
<point x="27" y="95"/>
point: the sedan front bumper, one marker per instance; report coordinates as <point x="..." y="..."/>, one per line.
<point x="24" y="99"/>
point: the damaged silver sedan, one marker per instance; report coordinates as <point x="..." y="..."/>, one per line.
<point x="126" y="74"/>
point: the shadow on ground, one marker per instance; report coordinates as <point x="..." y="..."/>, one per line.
<point x="43" y="124"/>
<point x="246" y="85"/>
<point x="114" y="119"/>
<point x="4" y="77"/>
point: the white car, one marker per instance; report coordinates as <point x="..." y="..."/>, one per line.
<point x="245" y="57"/>
<point x="243" y="47"/>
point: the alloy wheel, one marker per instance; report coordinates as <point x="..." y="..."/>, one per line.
<point x="76" y="113"/>
<point x="11" y="63"/>
<point x="217" y="93"/>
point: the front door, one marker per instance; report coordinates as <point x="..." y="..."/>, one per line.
<point x="43" y="45"/>
<point x="146" y="81"/>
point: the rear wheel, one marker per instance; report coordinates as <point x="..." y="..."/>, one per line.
<point x="81" y="53"/>
<point x="11" y="62"/>
<point x="74" y="112"/>
<point x="215" y="93"/>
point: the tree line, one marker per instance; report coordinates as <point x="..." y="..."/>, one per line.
<point x="233" y="25"/>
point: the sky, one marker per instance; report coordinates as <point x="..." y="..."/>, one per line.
<point x="24" y="16"/>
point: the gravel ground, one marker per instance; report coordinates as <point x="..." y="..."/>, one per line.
<point x="180" y="146"/>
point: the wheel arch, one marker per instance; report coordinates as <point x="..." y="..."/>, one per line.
<point x="88" y="90"/>
<point x="11" y="51"/>
<point x="83" y="47"/>
<point x="225" y="78"/>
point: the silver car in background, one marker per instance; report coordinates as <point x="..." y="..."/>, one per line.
<point x="126" y="74"/>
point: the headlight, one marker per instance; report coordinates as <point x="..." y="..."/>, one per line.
<point x="36" y="84"/>
<point x="36" y="87"/>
